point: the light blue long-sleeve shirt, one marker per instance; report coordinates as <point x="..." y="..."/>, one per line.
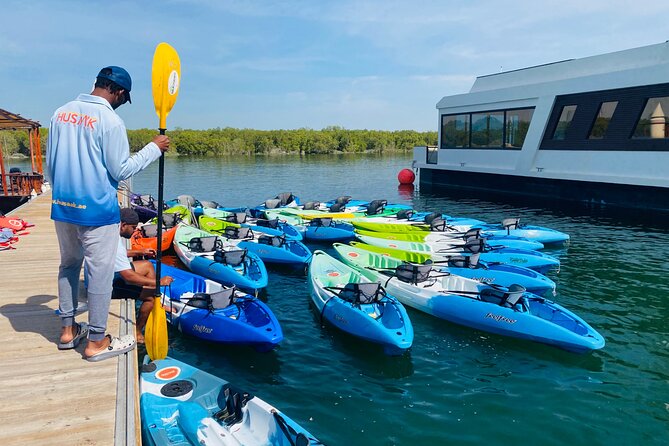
<point x="87" y="155"/>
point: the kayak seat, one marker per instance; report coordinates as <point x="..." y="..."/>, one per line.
<point x="324" y="222"/>
<point x="311" y="206"/>
<point x="430" y="217"/>
<point x="236" y="217"/>
<point x="285" y="198"/>
<point x="187" y="200"/>
<point x="272" y="203"/>
<point x="475" y="246"/>
<point x="231" y="401"/>
<point x="404" y="214"/>
<point x="205" y="244"/>
<point x="170" y="220"/>
<point x="235" y="233"/>
<point x="439" y="225"/>
<point x="150" y="230"/>
<point x="413" y="273"/>
<point x="272" y="224"/>
<point x="338" y="207"/>
<point x="147" y="201"/>
<point x="508" y="298"/>
<point x="343" y="199"/>
<point x="233" y="257"/>
<point x="376" y="207"/>
<point x="272" y="240"/>
<point x="209" y="204"/>
<point x="465" y="262"/>
<point x="473" y="233"/>
<point x="362" y="293"/>
<point x="213" y="301"/>
<point x="511" y="223"/>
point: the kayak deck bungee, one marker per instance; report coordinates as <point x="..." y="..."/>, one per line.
<point x="490" y="273"/>
<point x="211" y="256"/>
<point x="207" y="310"/>
<point x="509" y="311"/>
<point x="182" y="405"/>
<point x="353" y="304"/>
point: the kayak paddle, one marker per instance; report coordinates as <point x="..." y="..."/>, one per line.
<point x="165" y="77"/>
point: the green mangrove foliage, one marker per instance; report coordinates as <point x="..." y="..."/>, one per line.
<point x="230" y="141"/>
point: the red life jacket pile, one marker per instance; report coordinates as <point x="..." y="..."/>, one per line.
<point x="10" y="230"/>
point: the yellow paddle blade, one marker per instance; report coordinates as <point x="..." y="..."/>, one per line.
<point x="165" y="79"/>
<point x="155" y="333"/>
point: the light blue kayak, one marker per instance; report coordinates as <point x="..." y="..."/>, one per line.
<point x="350" y="302"/>
<point x="512" y="226"/>
<point x="474" y="268"/>
<point x="534" y="260"/>
<point x="182" y="405"/>
<point x="211" y="256"/>
<point x="509" y="311"/>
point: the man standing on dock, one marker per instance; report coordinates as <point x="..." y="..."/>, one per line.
<point x="87" y="155"/>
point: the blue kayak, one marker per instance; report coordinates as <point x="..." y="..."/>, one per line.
<point x="328" y="230"/>
<point x="207" y="310"/>
<point x="353" y="304"/>
<point x="534" y="260"/>
<point x="210" y="256"/>
<point x="474" y="268"/>
<point x="271" y="245"/>
<point x="182" y="405"/>
<point x="509" y="311"/>
<point x="512" y="226"/>
<point x="242" y="217"/>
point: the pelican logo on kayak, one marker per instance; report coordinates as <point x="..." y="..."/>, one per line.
<point x="202" y="329"/>
<point x="518" y="260"/>
<point x="500" y="318"/>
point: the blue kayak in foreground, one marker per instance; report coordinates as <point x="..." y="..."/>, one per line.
<point x="207" y="310"/>
<point x="183" y="405"/>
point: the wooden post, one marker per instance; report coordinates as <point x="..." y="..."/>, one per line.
<point x="3" y="178"/>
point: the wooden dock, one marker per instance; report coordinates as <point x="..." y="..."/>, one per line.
<point x="50" y="396"/>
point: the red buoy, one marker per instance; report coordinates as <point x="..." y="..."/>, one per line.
<point x="406" y="176"/>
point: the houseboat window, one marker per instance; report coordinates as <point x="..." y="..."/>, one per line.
<point x="566" y="116"/>
<point x="517" y="124"/>
<point x="455" y="131"/>
<point x="487" y="129"/>
<point x="602" y="120"/>
<point x="654" y="121"/>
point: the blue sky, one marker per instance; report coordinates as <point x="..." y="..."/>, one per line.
<point x="292" y="64"/>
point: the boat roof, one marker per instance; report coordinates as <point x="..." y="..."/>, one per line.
<point x="637" y="66"/>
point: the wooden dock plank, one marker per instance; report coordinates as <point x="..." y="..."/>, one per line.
<point x="49" y="396"/>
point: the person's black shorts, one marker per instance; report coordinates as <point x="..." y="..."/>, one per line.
<point x="123" y="290"/>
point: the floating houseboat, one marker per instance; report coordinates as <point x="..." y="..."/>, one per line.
<point x="593" y="130"/>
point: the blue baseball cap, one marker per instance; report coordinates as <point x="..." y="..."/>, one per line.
<point x="119" y="76"/>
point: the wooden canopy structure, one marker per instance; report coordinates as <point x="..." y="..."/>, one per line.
<point x="18" y="186"/>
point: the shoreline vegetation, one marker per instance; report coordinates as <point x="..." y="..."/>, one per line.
<point x="247" y="142"/>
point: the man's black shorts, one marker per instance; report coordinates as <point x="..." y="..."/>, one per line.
<point x="123" y="290"/>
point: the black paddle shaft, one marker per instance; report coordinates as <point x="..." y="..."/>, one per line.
<point x="159" y="235"/>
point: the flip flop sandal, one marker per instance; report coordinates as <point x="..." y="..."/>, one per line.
<point x="117" y="346"/>
<point x="82" y="332"/>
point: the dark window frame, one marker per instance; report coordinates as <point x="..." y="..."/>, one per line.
<point x="469" y="136"/>
<point x="618" y="136"/>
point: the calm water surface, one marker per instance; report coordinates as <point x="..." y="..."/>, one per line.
<point x="455" y="385"/>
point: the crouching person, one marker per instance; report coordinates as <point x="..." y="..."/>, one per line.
<point x="135" y="279"/>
